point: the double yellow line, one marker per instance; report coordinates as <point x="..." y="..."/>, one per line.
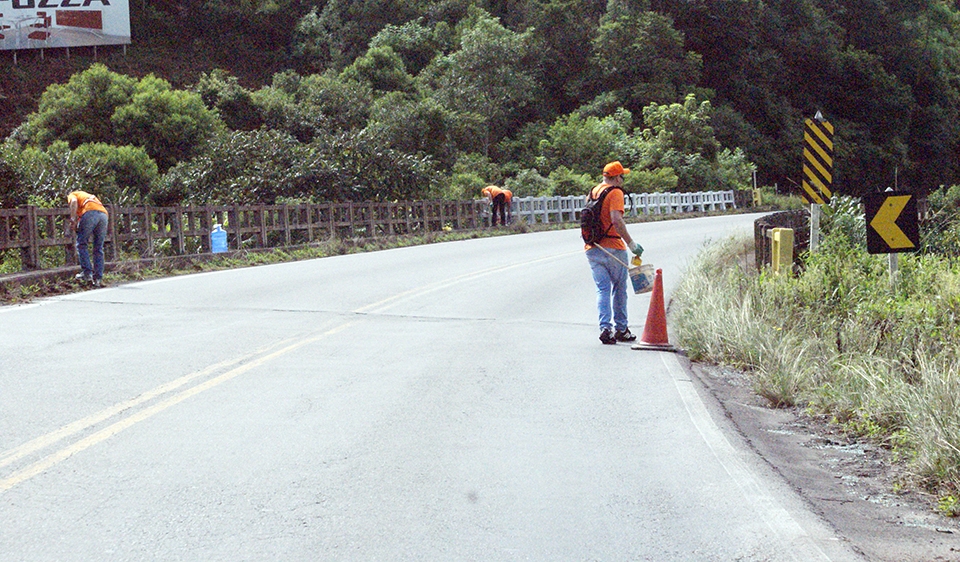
<point x="234" y="368"/>
<point x="244" y="364"/>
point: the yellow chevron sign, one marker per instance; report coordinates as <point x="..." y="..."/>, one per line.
<point x="817" y="160"/>
<point x="891" y="219"/>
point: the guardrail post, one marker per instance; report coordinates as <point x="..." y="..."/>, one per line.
<point x="265" y="214"/>
<point x="147" y="226"/>
<point x="179" y="243"/>
<point x="70" y="243"/>
<point x="233" y="223"/>
<point x="30" y="255"/>
<point x="206" y="227"/>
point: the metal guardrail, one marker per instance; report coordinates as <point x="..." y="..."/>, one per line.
<point x="567" y="209"/>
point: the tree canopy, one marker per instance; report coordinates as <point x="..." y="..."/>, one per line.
<point x="412" y="98"/>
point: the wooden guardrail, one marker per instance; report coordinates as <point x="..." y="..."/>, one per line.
<point x="148" y="232"/>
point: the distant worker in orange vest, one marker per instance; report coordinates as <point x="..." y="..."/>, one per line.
<point x="500" y="199"/>
<point x="88" y="218"/>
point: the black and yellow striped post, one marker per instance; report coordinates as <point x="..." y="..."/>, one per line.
<point x="817" y="160"/>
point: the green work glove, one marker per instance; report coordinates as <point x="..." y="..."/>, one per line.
<point x="637" y="249"/>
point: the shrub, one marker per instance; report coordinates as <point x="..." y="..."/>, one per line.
<point x="245" y="167"/>
<point x="567" y="182"/>
<point x="234" y="103"/>
<point x="529" y="183"/>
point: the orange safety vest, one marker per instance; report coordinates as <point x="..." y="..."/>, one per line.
<point x="86" y="202"/>
<point x="613" y="202"/>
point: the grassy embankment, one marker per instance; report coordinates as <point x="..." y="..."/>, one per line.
<point x="839" y="340"/>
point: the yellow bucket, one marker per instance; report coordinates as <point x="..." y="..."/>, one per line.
<point x="641" y="276"/>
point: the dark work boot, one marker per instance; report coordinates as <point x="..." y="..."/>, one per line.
<point x="625" y="335"/>
<point x="607" y="337"/>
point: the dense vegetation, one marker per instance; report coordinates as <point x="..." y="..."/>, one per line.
<point x="280" y="100"/>
<point x="877" y="357"/>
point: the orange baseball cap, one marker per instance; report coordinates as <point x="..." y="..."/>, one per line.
<point x="615" y="169"/>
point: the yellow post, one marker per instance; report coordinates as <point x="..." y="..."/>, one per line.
<point x="756" y="198"/>
<point x="781" y="250"/>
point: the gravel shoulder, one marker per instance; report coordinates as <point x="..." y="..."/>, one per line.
<point x="850" y="484"/>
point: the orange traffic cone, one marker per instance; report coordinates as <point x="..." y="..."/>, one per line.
<point x="655" y="330"/>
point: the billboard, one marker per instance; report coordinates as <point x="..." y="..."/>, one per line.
<point x="44" y="24"/>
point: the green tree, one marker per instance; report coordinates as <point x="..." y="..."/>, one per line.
<point x="682" y="127"/>
<point x="585" y="144"/>
<point x="13" y="191"/>
<point x="644" y="57"/>
<point x="366" y="169"/>
<point x="529" y="183"/>
<point x="657" y="180"/>
<point x="306" y="106"/>
<point x="246" y="167"/>
<point x="423" y="126"/>
<point x="564" y="31"/>
<point x="130" y="173"/>
<point x="171" y="125"/>
<point x="469" y="175"/>
<point x="316" y="45"/>
<point x="490" y="74"/>
<point x="79" y="111"/>
<point x="416" y="43"/>
<point x="567" y="182"/>
<point x="341" y="31"/>
<point x="681" y="138"/>
<point x="382" y="69"/>
<point x="121" y="175"/>
<point x="221" y="91"/>
<point x="50" y="172"/>
<point x="101" y="106"/>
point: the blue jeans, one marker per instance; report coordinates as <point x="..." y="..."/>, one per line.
<point x="611" y="278"/>
<point x="92" y="228"/>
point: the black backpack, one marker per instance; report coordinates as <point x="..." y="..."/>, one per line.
<point x="591" y="229"/>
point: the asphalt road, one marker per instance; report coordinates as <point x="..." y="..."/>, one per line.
<point x="440" y="402"/>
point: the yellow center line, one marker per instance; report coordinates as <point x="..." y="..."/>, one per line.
<point x="115" y="428"/>
<point x="246" y="363"/>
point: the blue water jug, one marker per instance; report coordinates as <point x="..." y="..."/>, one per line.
<point x="218" y="239"/>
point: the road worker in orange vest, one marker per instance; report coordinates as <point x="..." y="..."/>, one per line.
<point x="500" y="199"/>
<point x="608" y="257"/>
<point x="88" y="218"/>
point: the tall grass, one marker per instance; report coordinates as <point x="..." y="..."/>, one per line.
<point x="840" y="339"/>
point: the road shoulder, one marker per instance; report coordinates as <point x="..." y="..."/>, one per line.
<point x="849" y="484"/>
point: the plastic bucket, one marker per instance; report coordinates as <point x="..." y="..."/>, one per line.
<point x="642" y="278"/>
